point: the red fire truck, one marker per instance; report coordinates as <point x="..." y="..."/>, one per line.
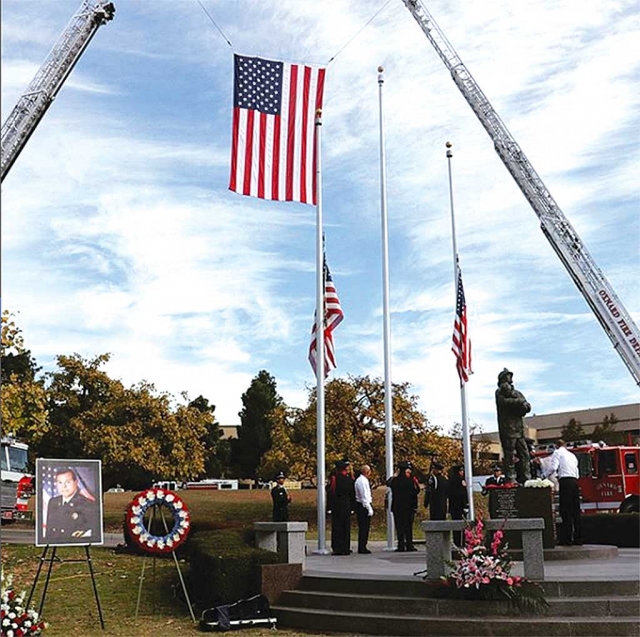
<point x="608" y="476"/>
<point x="17" y="482"/>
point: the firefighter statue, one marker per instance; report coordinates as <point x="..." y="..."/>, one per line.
<point x="512" y="407"/>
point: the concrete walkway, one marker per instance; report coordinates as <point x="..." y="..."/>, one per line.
<point x="382" y="563"/>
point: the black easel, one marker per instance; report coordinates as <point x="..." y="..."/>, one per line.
<point x="154" y="511"/>
<point x="51" y="560"/>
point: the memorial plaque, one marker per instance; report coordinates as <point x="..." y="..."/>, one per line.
<point x="524" y="502"/>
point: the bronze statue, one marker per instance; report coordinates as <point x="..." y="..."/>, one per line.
<point x="512" y="407"/>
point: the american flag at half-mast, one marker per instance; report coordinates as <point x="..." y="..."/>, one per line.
<point x="461" y="345"/>
<point x="333" y="316"/>
<point x="273" y="147"/>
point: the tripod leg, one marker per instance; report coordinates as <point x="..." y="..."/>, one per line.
<point x="46" y="582"/>
<point x="35" y="581"/>
<point x="95" y="588"/>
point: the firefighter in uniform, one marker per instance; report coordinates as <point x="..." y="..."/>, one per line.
<point x="437" y="493"/>
<point x="70" y="516"/>
<point x="342" y="503"/>
<point x="404" y="504"/>
<point x="281" y="500"/>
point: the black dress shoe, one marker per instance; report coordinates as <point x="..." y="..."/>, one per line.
<point x="412" y="549"/>
<point x="400" y="549"/>
<point x="365" y="552"/>
<point x="579" y="543"/>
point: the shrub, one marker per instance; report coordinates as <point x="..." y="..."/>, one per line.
<point x="224" y="567"/>
<point x="619" y="529"/>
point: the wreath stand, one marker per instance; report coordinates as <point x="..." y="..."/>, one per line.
<point x="156" y="509"/>
<point x="53" y="558"/>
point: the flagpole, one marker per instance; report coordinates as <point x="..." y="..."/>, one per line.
<point x="388" y="391"/>
<point x="466" y="441"/>
<point x="320" y="354"/>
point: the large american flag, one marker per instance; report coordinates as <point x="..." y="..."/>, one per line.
<point x="273" y="148"/>
<point x="461" y="345"/>
<point x="333" y="316"/>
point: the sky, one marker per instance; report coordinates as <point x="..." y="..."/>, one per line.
<point x="119" y="233"/>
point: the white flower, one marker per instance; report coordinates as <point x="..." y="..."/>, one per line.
<point x="136" y="510"/>
<point x="150" y="495"/>
<point x="160" y="494"/>
<point x="142" y="501"/>
<point x="178" y="504"/>
<point x="170" y="497"/>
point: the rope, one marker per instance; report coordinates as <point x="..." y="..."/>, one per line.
<point x="215" y="24"/>
<point x="359" y="32"/>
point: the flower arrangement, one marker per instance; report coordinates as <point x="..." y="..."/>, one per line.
<point x="484" y="573"/>
<point x="539" y="483"/>
<point x="15" y="619"/>
<point x="176" y="534"/>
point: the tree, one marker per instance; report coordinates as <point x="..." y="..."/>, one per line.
<point x="23" y="399"/>
<point x="606" y="432"/>
<point x="139" y="434"/>
<point x="355" y="428"/>
<point x="254" y="433"/>
<point x="572" y="431"/>
<point x="217" y="451"/>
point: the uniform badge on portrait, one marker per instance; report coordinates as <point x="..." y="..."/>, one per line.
<point x="68" y="502"/>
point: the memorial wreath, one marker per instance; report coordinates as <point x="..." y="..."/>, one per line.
<point x="176" y="531"/>
<point x="484" y="573"/>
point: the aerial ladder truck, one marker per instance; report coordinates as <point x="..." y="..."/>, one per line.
<point x="35" y="101"/>
<point x="589" y="279"/>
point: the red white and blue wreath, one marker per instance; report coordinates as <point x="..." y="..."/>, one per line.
<point x="178" y="525"/>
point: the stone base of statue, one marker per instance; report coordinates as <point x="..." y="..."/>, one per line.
<point x="523" y="502"/>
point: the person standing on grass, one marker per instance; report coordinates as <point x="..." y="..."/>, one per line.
<point x="364" y="507"/>
<point x="281" y="500"/>
<point x="342" y="500"/>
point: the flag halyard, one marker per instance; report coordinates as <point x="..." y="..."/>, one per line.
<point x="333" y="316"/>
<point x="461" y="344"/>
<point x="273" y="147"/>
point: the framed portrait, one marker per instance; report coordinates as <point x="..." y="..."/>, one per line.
<point x="68" y="502"/>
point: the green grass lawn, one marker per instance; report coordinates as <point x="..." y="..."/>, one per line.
<point x="70" y="607"/>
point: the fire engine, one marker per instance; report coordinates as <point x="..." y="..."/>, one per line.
<point x="17" y="482"/>
<point x="608" y="476"/>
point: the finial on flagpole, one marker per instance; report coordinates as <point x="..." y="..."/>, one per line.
<point x="319" y="117"/>
<point x="449" y="153"/>
<point x="380" y="76"/>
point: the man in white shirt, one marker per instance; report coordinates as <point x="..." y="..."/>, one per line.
<point x="565" y="464"/>
<point x="364" y="508"/>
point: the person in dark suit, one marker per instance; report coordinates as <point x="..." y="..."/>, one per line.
<point x="458" y="498"/>
<point x="71" y="517"/>
<point x="437" y="493"/>
<point x="281" y="500"/>
<point x="342" y="503"/>
<point x="496" y="480"/>
<point x="404" y="504"/>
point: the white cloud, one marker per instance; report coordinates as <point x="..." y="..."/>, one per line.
<point x="119" y="233"/>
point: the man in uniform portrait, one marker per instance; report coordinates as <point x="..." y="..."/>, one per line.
<point x="70" y="515"/>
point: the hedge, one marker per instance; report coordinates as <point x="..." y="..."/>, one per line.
<point x="617" y="529"/>
<point x="225" y="567"/>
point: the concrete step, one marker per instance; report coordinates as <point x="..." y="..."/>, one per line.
<point x="612" y="606"/>
<point x="394" y="625"/>
<point x="403" y="587"/>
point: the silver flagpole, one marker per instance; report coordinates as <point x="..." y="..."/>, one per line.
<point x="388" y="395"/>
<point x="466" y="440"/>
<point x="321" y="495"/>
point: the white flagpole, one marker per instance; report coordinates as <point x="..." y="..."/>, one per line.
<point x="321" y="496"/>
<point x="466" y="440"/>
<point x="388" y="396"/>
